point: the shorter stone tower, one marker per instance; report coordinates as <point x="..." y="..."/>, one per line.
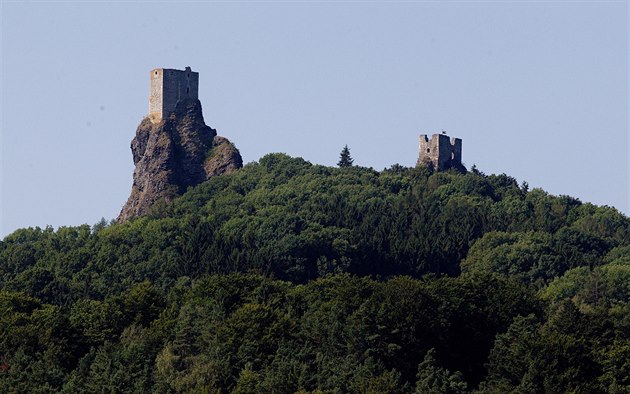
<point x="168" y="86"/>
<point x="440" y="152"/>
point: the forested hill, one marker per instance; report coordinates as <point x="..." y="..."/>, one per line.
<point x="291" y="277"/>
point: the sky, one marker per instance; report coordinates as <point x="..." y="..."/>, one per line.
<point x="536" y="90"/>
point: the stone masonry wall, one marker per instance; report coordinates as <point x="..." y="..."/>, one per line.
<point x="155" y="96"/>
<point x="168" y="86"/>
<point x="456" y="143"/>
<point x="441" y="152"/>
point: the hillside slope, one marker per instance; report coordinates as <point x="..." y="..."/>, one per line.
<point x="294" y="277"/>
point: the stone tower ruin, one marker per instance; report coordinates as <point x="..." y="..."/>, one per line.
<point x="168" y="86"/>
<point x="440" y="152"/>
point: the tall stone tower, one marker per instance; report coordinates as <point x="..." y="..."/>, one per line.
<point x="168" y="86"/>
<point x="440" y="152"/>
<point x="173" y="148"/>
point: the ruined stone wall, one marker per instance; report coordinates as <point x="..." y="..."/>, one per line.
<point x="168" y="86"/>
<point x="155" y="96"/>
<point x="456" y="143"/>
<point x="444" y="151"/>
<point x="424" y="149"/>
<point x="440" y="152"/>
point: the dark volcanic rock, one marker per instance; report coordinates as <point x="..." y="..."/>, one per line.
<point x="178" y="152"/>
<point x="224" y="158"/>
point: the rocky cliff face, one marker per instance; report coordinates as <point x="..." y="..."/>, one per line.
<point x="178" y="152"/>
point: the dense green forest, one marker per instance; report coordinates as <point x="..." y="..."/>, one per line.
<point x="290" y="277"/>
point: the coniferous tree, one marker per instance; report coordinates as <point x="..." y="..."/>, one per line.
<point x="345" y="160"/>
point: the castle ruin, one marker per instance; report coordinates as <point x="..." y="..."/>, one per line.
<point x="168" y="86"/>
<point x="440" y="152"/>
<point x="173" y="148"/>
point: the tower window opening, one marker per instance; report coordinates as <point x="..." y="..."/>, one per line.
<point x="187" y="90"/>
<point x="428" y="150"/>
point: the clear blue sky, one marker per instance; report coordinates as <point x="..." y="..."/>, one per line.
<point x="536" y="90"/>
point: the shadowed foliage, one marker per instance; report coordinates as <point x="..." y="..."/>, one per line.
<point x="291" y="277"/>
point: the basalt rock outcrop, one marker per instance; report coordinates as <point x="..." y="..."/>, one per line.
<point x="173" y="154"/>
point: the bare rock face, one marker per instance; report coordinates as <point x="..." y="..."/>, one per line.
<point x="178" y="152"/>
<point x="224" y="158"/>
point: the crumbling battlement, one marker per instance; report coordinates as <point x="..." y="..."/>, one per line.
<point x="440" y="152"/>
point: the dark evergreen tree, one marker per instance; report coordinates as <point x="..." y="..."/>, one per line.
<point x="345" y="160"/>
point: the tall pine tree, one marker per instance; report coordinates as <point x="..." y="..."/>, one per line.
<point x="345" y="160"/>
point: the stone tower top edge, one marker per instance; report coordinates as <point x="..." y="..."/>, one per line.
<point x="186" y="69"/>
<point x="427" y="135"/>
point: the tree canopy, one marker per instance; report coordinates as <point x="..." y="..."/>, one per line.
<point x="292" y="277"/>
